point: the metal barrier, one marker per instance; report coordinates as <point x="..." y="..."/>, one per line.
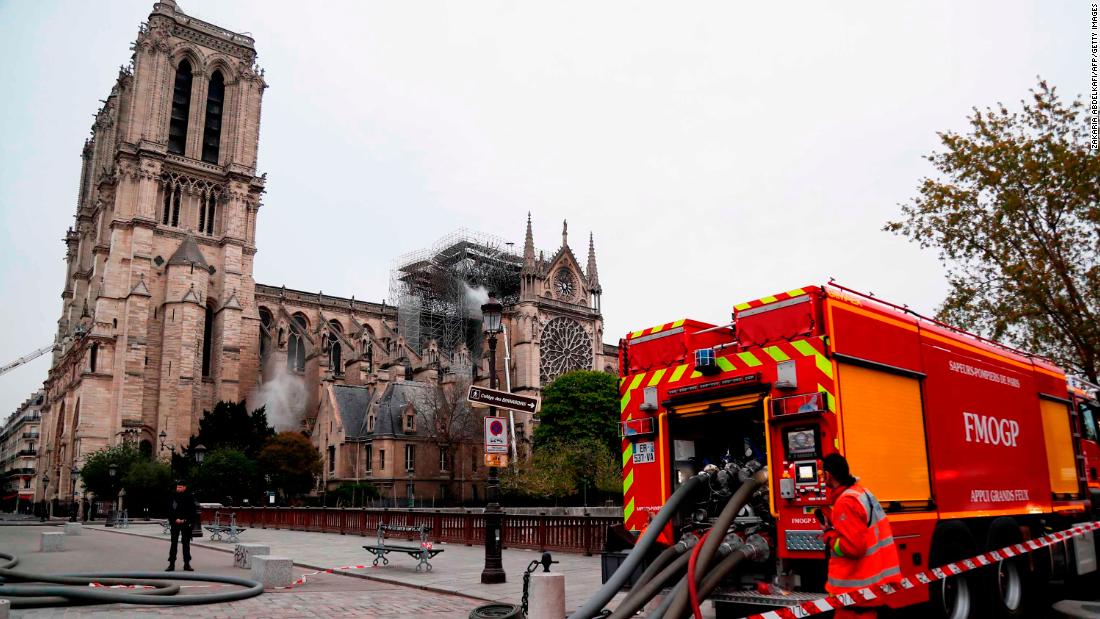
<point x="585" y="534"/>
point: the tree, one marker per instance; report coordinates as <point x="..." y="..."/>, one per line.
<point x="580" y="405"/>
<point x="148" y="484"/>
<point x="96" y="472"/>
<point x="1014" y="215"/>
<point x="350" y="494"/>
<point x="292" y="462"/>
<point x="451" y="422"/>
<point x="231" y="425"/>
<point x="560" y="469"/>
<point x="227" y="474"/>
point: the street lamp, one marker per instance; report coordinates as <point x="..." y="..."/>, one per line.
<point x="72" y="481"/>
<point x="200" y="453"/>
<point x="112" y="471"/>
<point x="45" y="484"/>
<point x="493" y="572"/>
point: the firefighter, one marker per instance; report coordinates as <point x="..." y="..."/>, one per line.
<point x="858" y="539"/>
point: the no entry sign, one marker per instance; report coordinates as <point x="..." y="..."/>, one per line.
<point x="496" y="436"/>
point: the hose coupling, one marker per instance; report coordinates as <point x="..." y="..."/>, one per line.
<point x="756" y="548"/>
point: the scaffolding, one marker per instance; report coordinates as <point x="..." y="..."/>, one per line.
<point x="438" y="291"/>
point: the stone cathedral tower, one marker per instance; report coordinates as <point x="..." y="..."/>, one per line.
<point x="158" y="318"/>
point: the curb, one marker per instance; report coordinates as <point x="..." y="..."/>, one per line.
<point x="388" y="581"/>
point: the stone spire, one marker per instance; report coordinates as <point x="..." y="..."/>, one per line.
<point x="529" y="265"/>
<point x="188" y="253"/>
<point x="564" y="233"/>
<point x="590" y="271"/>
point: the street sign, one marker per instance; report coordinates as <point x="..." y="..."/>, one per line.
<point x="480" y="396"/>
<point x="497" y="460"/>
<point x="496" y="436"/>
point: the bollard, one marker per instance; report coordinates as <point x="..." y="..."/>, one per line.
<point x="73" y="528"/>
<point x="52" y="542"/>
<point x="272" y="571"/>
<point x="243" y="553"/>
<point x="547" y="597"/>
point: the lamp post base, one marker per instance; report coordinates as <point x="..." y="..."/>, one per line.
<point x="493" y="573"/>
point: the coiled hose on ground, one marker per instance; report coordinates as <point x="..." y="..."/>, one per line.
<point x="73" y="589"/>
<point x="595" y="604"/>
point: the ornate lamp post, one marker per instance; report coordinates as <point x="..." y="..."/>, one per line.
<point x="45" y="485"/>
<point x="72" y="481"/>
<point x="494" y="570"/>
<point x="112" y="471"/>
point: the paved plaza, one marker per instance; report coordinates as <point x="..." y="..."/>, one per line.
<point x="451" y="589"/>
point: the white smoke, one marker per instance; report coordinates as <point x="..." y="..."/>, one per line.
<point x="283" y="397"/>
<point x="475" y="298"/>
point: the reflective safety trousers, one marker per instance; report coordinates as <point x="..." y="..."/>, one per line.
<point x="864" y="554"/>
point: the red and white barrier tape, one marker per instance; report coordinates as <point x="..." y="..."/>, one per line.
<point x="302" y="579"/>
<point x="834" y="602"/>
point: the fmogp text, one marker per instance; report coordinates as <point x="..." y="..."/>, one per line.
<point x="990" y="430"/>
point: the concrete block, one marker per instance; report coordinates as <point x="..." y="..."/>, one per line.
<point x="547" y="599"/>
<point x="272" y="571"/>
<point x="52" y="542"/>
<point x="73" y="528"/>
<point x="243" y="553"/>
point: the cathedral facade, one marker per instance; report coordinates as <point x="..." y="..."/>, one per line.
<point x="161" y="317"/>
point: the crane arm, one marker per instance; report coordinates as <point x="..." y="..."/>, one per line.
<point x="25" y="359"/>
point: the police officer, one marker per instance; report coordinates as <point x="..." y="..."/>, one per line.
<point x="182" y="513"/>
<point x="858" y="539"/>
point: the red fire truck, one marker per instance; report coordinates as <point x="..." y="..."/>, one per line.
<point x="1086" y="399"/>
<point x="968" y="445"/>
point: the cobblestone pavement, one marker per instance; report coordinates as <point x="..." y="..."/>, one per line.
<point x="329" y="596"/>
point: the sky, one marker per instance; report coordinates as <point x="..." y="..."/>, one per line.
<point x="717" y="151"/>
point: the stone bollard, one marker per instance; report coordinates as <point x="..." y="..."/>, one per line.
<point x="272" y="571"/>
<point x="52" y="542"/>
<point x="73" y="528"/>
<point x="243" y="553"/>
<point x="547" y="596"/>
<point x="5" y="606"/>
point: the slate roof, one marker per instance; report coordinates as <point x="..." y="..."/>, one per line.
<point x="352" y="404"/>
<point x="395" y="399"/>
<point x="188" y="253"/>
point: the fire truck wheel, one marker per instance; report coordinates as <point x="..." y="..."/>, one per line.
<point x="1008" y="582"/>
<point x="957" y="597"/>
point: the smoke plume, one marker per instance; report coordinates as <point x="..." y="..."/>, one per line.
<point x="283" y="397"/>
<point x="475" y="298"/>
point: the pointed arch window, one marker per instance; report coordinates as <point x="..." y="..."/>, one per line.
<point x="94" y="357"/>
<point x="296" y="344"/>
<point x="181" y="108"/>
<point x="265" y="330"/>
<point x="208" y="209"/>
<point x="212" y="130"/>
<point x="207" y="337"/>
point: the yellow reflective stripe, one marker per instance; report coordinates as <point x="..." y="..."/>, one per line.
<point x="628" y="453"/>
<point x="767" y="300"/>
<point x="657" y="329"/>
<point x="633" y="385"/>
<point x="628" y="509"/>
<point x="823" y="365"/>
<point x="678" y="373"/>
<point x="742" y="306"/>
<point x="656" y="377"/>
<point x="622" y="380"/>
<point x="749" y="359"/>
<point x="724" y="364"/>
<point x="628" y="481"/>
<point x="797" y="292"/>
<point x="836" y="549"/>
<point x="865" y="582"/>
<point x="830" y="401"/>
<point x="637" y="333"/>
<point x="678" y="323"/>
<point x="776" y="353"/>
<point x="695" y="374"/>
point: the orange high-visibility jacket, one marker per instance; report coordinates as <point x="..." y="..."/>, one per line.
<point x="864" y="554"/>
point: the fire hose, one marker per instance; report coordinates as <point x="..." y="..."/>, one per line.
<point x="151" y="588"/>
<point x="705" y="550"/>
<point x="595" y="604"/>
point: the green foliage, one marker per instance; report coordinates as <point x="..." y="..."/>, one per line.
<point x="230" y="425"/>
<point x="96" y="474"/>
<point x="147" y="483"/>
<point x="225" y="473"/>
<point x="559" y="469"/>
<point x="578" y="406"/>
<point x="1014" y="217"/>
<point x="292" y="462"/>
<point x="349" y="494"/>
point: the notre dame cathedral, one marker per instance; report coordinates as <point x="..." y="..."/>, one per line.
<point x="161" y="317"/>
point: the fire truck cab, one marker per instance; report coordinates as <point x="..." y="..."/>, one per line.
<point x="968" y="445"/>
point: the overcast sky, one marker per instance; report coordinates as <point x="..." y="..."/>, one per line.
<point x="719" y="151"/>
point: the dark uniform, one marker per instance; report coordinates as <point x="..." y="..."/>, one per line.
<point x="182" y="507"/>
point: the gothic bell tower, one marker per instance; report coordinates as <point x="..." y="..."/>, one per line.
<point x="158" y="317"/>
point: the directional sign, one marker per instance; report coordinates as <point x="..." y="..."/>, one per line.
<point x="496" y="436"/>
<point x="480" y="396"/>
